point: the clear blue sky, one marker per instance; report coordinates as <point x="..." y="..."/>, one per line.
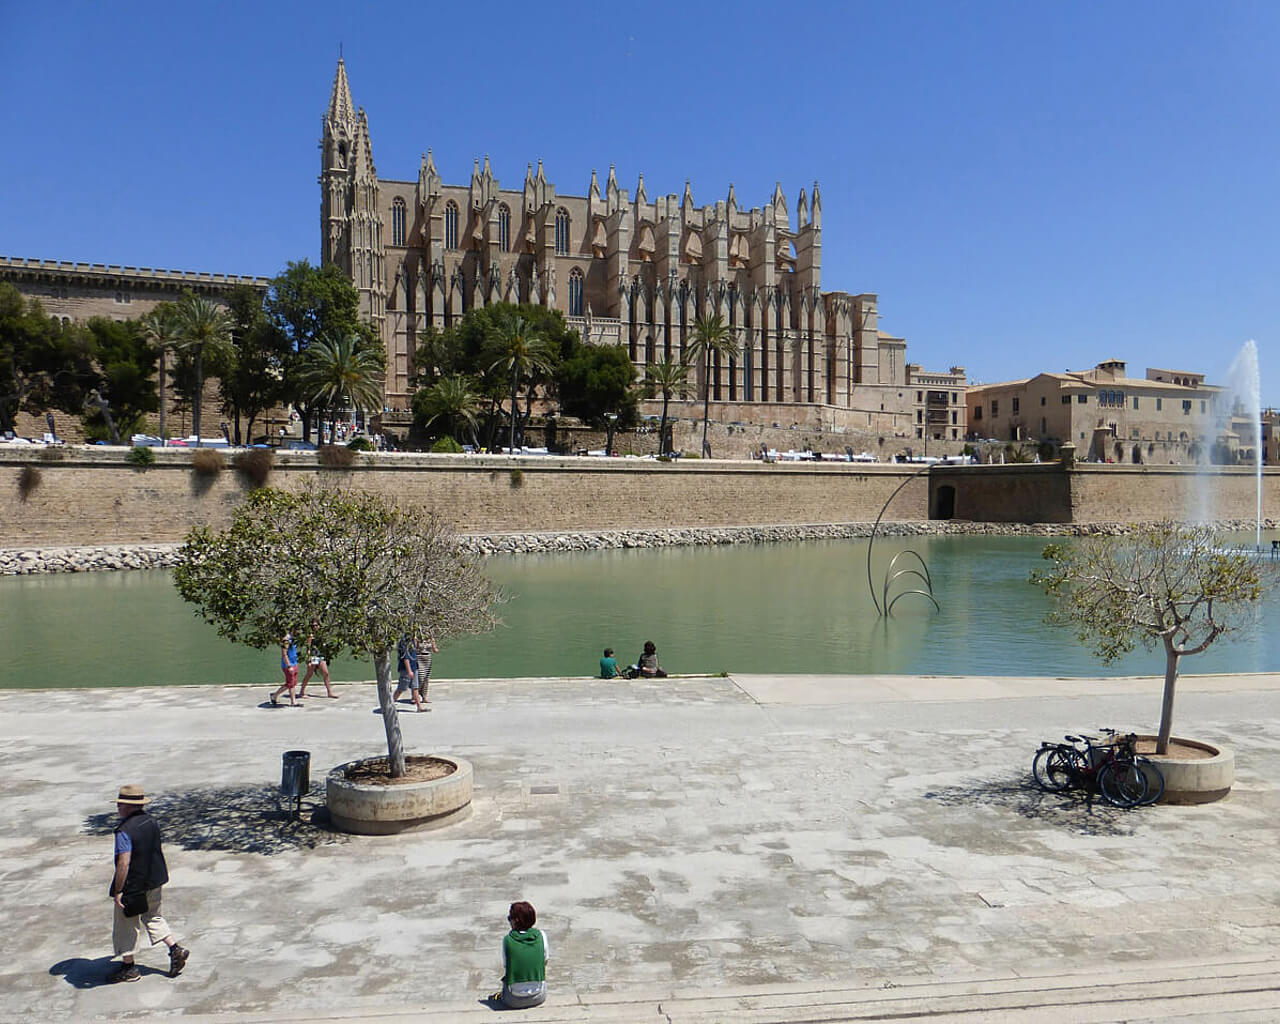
<point x="1026" y="185"/>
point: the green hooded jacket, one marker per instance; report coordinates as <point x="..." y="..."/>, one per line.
<point x="525" y="956"/>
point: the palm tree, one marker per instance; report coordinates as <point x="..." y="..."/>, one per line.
<point x="202" y="327"/>
<point x="671" y="380"/>
<point x="710" y="335"/>
<point x="342" y="371"/>
<point x="160" y="328"/>
<point x="522" y="351"/>
<point x="452" y="400"/>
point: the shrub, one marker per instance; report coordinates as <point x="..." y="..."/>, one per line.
<point x="446" y="444"/>
<point x="517" y="478"/>
<point x="208" y="462"/>
<point x="254" y="466"/>
<point x="140" y="456"/>
<point x="360" y="444"/>
<point x="333" y="456"/>
<point x="28" y="481"/>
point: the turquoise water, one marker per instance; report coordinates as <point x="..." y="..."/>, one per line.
<point x="786" y="608"/>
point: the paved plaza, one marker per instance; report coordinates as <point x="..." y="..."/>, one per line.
<point x="748" y="848"/>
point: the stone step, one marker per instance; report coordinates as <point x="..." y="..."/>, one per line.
<point x="1235" y="990"/>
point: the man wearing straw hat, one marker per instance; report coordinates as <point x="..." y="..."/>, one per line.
<point x="135" y="887"/>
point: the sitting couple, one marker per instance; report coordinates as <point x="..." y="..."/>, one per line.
<point x="646" y="665"/>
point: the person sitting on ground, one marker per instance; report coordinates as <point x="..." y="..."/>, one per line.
<point x="609" y="665"/>
<point x="524" y="960"/>
<point x="648" y="665"/>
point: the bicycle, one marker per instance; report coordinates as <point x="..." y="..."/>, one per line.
<point x="1127" y="747"/>
<point x="1058" y="767"/>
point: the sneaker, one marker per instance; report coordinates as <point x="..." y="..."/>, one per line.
<point x="178" y="956"/>
<point x="125" y="972"/>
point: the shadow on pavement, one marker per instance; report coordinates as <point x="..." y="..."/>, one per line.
<point x="248" y="819"/>
<point x="82" y="973"/>
<point x="1084" y="813"/>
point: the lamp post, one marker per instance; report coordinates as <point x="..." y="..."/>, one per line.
<point x="610" y="419"/>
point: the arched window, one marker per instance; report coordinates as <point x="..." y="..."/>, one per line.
<point x="562" y="232"/>
<point x="451" y="225"/>
<point x="397" y="222"/>
<point x="504" y="227"/>
<point x="575" y="292"/>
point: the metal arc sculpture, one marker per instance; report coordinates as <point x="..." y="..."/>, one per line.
<point x="883" y="604"/>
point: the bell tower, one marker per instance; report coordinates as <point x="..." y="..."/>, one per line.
<point x="337" y="160"/>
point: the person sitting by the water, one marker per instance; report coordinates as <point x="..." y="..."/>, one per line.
<point x="524" y="960"/>
<point x="609" y="665"/>
<point x="648" y="665"/>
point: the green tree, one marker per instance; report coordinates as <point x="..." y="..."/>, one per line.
<point x="125" y="363"/>
<point x="160" y="329"/>
<point x="204" y="330"/>
<point x="711" y="336"/>
<point x="670" y="380"/>
<point x="342" y="371"/>
<point x="451" y="401"/>
<point x="44" y="364"/>
<point x="519" y="350"/>
<point x="1179" y="587"/>
<point x="367" y="571"/>
<point x="254" y="382"/>
<point x="306" y="303"/>
<point x="599" y="380"/>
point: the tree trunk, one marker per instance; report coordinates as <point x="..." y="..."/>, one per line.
<point x="1171" y="657"/>
<point x="382" y="663"/>
<point x="706" y="407"/>
<point x="162" y="401"/>
<point x="662" y="427"/>
<point x="195" y="408"/>
<point x="515" y="382"/>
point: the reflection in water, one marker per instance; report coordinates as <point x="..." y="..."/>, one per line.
<point x="785" y="608"/>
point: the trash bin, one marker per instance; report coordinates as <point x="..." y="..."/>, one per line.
<point x="295" y="774"/>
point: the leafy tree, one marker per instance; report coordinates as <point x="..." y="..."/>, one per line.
<point x="160" y="329"/>
<point x="710" y="336"/>
<point x="254" y="382"/>
<point x="306" y="303"/>
<point x="450" y="401"/>
<point x="1176" y="586"/>
<point x="367" y="571"/>
<point x="670" y="380"/>
<point x="44" y="364"/>
<point x="342" y="371"/>
<point x="125" y="362"/>
<point x="598" y="380"/>
<point x="204" y="329"/>
<point x="519" y="350"/>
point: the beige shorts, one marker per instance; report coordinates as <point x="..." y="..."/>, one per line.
<point x="127" y="932"/>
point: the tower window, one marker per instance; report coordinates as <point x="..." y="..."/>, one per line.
<point x="562" y="232"/>
<point x="397" y="222"/>
<point x="504" y="228"/>
<point x="575" y="292"/>
<point x="451" y="225"/>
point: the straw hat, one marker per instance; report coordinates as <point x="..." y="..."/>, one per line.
<point x="131" y="794"/>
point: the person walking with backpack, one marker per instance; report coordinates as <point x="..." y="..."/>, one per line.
<point x="136" y="887"/>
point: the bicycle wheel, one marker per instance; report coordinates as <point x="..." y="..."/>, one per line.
<point x="1122" y="783"/>
<point x="1155" y="781"/>
<point x="1054" y="769"/>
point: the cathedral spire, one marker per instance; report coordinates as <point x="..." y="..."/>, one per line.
<point x="340" y="106"/>
<point x="593" y="190"/>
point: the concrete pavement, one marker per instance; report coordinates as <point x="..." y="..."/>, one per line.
<point x="749" y="848"/>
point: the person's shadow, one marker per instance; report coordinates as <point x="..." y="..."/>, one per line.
<point x="80" y="972"/>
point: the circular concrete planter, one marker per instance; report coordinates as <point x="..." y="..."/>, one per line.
<point x="1195" y="780"/>
<point x="369" y="810"/>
